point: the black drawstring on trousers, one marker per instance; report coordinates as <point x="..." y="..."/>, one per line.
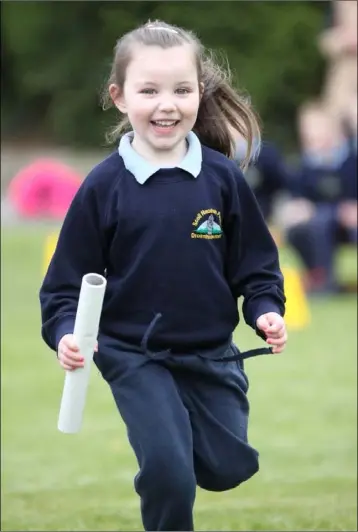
<point x="245" y="354"/>
<point x="144" y="342"/>
<point x="161" y="354"/>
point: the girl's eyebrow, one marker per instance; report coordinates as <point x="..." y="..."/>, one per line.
<point x="144" y="82"/>
<point x="184" y="82"/>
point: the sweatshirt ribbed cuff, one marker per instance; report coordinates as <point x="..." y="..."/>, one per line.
<point x="64" y="326"/>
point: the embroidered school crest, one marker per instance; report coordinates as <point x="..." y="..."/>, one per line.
<point x="207" y="224"/>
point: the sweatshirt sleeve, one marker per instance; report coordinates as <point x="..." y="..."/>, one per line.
<point x="253" y="263"/>
<point x="80" y="250"/>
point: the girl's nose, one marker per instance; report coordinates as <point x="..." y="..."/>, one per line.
<point x="166" y="104"/>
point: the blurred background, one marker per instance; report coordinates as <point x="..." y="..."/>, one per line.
<point x="298" y="63"/>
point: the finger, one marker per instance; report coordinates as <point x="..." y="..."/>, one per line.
<point x="96" y="347"/>
<point x="273" y="334"/>
<point x="66" y="366"/>
<point x="68" y="343"/>
<point x="72" y="362"/>
<point x="277" y="341"/>
<point x="280" y="333"/>
<point x="71" y="355"/>
<point x="72" y="346"/>
<point x="279" y="349"/>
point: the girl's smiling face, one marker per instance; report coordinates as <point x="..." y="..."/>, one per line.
<point x="161" y="96"/>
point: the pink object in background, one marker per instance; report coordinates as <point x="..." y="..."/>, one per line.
<point x="43" y="189"/>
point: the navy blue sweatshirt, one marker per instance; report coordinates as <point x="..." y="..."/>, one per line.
<point x="177" y="253"/>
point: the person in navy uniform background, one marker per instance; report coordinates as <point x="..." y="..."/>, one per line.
<point x="267" y="174"/>
<point x="325" y="184"/>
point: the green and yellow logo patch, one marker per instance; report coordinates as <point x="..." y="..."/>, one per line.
<point x="207" y="224"/>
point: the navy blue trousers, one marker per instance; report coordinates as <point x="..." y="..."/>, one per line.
<point x="186" y="417"/>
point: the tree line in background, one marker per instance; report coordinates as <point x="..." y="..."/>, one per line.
<point x="56" y="57"/>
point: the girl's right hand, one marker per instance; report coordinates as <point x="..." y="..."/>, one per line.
<point x="68" y="353"/>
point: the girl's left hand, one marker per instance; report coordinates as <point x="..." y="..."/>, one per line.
<point x="273" y="325"/>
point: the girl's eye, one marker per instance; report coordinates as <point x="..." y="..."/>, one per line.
<point x="182" y="90"/>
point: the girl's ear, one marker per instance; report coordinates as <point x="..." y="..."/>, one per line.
<point x="117" y="97"/>
<point x="201" y="89"/>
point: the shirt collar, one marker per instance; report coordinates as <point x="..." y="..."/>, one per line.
<point x="331" y="160"/>
<point x="142" y="169"/>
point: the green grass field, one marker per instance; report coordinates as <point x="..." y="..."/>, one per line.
<point x="304" y="422"/>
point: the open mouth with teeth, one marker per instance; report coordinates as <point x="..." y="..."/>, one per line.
<point x="164" y="124"/>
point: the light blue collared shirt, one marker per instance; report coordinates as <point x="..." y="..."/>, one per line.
<point x="330" y="160"/>
<point x="142" y="169"/>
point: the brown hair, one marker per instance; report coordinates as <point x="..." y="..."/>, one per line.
<point x="222" y="110"/>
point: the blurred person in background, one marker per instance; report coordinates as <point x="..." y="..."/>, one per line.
<point x="267" y="173"/>
<point x="350" y="122"/>
<point x="323" y="211"/>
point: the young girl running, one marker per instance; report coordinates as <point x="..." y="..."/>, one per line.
<point x="171" y="222"/>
